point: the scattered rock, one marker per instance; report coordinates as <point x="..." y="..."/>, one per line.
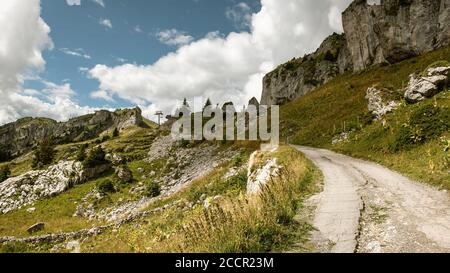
<point x="31" y="210"/>
<point x="140" y="170"/>
<point x="233" y="171"/>
<point x="124" y="174"/>
<point x="74" y="246"/>
<point x="115" y="159"/>
<point x="207" y="202"/>
<point x="344" y="136"/>
<point x="36" y="228"/>
<point x="203" y="197"/>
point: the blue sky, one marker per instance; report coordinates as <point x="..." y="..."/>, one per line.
<point x="132" y="38"/>
<point x="65" y="58"/>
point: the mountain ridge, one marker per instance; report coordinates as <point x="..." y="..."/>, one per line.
<point x="373" y="35"/>
<point x="21" y="136"/>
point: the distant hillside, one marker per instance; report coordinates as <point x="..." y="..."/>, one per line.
<point x="19" y="137"/>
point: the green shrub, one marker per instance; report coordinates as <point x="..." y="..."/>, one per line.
<point x="106" y="186"/>
<point x="115" y="132"/>
<point x="44" y="153"/>
<point x="426" y="123"/>
<point x="81" y="154"/>
<point x="4" y="154"/>
<point x="14" y="247"/>
<point x="95" y="158"/>
<point x="329" y="56"/>
<point x="5" y="172"/>
<point x="153" y="189"/>
<point x="237" y="161"/>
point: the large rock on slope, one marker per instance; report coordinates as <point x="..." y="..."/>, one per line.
<point x="23" y="135"/>
<point x="299" y="76"/>
<point x="395" y="30"/>
<point x="258" y="177"/>
<point x="421" y="88"/>
<point x="26" y="189"/>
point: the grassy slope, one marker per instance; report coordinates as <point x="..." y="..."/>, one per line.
<point x="249" y="224"/>
<point x="233" y="224"/>
<point x="340" y="105"/>
<point x="57" y="212"/>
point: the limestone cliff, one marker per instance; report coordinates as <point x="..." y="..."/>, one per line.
<point x="395" y="30"/>
<point x="299" y="76"/>
<point x="23" y="135"/>
<point x="374" y="34"/>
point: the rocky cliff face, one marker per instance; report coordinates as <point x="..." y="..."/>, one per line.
<point x="374" y="34"/>
<point x="395" y="30"/>
<point x="23" y="135"/>
<point x="299" y="76"/>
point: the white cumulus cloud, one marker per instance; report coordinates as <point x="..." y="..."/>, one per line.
<point x="174" y="37"/>
<point x="24" y="36"/>
<point x="227" y="68"/>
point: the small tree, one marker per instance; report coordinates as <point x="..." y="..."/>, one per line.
<point x="44" y="153"/>
<point x="115" y="132"/>
<point x="5" y="172"/>
<point x="81" y="154"/>
<point x="95" y="158"/>
<point x="106" y="186"/>
<point x="5" y="155"/>
<point x="153" y="189"/>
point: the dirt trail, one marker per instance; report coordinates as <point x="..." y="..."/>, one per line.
<point x="368" y="208"/>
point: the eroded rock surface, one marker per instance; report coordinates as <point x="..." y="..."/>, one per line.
<point x="421" y="88"/>
<point x="377" y="105"/>
<point x="24" y="190"/>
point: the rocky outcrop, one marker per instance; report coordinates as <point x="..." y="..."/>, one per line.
<point x="260" y="176"/>
<point x="394" y="30"/>
<point x="422" y="87"/>
<point x="24" y="190"/>
<point x="300" y="76"/>
<point x="124" y="174"/>
<point x="23" y="135"/>
<point x="374" y="34"/>
<point x="378" y="106"/>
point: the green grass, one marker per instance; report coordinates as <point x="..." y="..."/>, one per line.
<point x="411" y="140"/>
<point x="55" y="212"/>
<point x="257" y="224"/>
<point x="133" y="143"/>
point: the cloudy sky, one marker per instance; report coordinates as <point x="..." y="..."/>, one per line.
<point x="64" y="58"/>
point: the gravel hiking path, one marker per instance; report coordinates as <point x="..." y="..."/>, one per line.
<point x="367" y="208"/>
